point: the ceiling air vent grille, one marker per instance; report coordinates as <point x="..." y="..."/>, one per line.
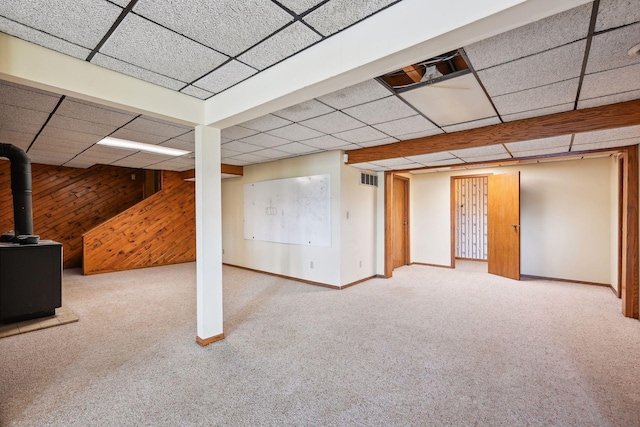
<point x="368" y="179"/>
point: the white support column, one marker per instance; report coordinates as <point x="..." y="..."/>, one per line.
<point x="208" y="235"/>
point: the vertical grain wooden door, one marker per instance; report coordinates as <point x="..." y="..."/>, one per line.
<point x="400" y="221"/>
<point x="503" y="225"/>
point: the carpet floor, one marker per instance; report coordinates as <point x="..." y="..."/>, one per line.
<point x="430" y="346"/>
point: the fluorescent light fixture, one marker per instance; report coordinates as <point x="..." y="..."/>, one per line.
<point x="139" y="146"/>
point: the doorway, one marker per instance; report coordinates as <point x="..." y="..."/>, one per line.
<point x="400" y="222"/>
<point x="471" y="203"/>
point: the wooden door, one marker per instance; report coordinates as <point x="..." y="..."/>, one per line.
<point x="400" y="221"/>
<point x="504" y="225"/>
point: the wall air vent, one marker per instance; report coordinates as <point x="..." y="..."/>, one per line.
<point x="368" y="179"/>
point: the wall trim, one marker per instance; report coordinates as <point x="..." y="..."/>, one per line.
<point x="433" y="265"/>
<point x="206" y="341"/>
<point x="555" y="279"/>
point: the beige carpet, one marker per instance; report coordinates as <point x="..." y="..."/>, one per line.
<point x="429" y="347"/>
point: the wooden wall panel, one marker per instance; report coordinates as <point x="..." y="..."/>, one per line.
<point x="159" y="230"/>
<point x="69" y="201"/>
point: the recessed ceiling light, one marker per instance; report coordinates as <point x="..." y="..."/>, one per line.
<point x="634" y="51"/>
<point x="139" y="146"/>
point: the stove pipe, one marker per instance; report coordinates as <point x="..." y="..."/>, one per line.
<point x="21" y="191"/>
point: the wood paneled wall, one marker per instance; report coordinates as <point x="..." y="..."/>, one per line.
<point x="69" y="201"/>
<point x="159" y="230"/>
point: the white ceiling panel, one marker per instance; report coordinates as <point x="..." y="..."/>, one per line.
<point x="48" y="141"/>
<point x="83" y="23"/>
<point x="241" y="147"/>
<point x="137" y="72"/>
<point x="609" y="99"/>
<point x="297" y="148"/>
<point x="156" y="127"/>
<point x="295" y="132"/>
<point x="80" y="164"/>
<point x="265" y="123"/>
<point x="540" y="97"/>
<point x="228" y="26"/>
<point x="540" y="144"/>
<point x="43" y="39"/>
<point x="56" y="155"/>
<point x="545" y="34"/>
<point x="539" y="112"/>
<point x="489" y="150"/>
<point x="152" y="47"/>
<point x="196" y="92"/>
<point x="609" y="50"/>
<point x="285" y="43"/>
<point x="445" y="162"/>
<point x="107" y="153"/>
<point x="304" y="110"/>
<point x="541" y="152"/>
<point x="429" y="132"/>
<point x="19" y="139"/>
<point x="369" y="167"/>
<point x="605" y="144"/>
<point x="487" y="158"/>
<point x="611" y="82"/>
<point x="332" y="123"/>
<point x="396" y="163"/>
<point x="360" y="135"/>
<point x="272" y="153"/>
<point x="237" y="132"/>
<point x="236" y="162"/>
<point x="551" y="66"/>
<point x="180" y="145"/>
<point x="93" y="113"/>
<point x="225" y="76"/>
<point x="252" y="158"/>
<point x="265" y="140"/>
<point x="615" y="13"/>
<point x="472" y="124"/>
<point x="131" y="162"/>
<point x="382" y="110"/>
<point x="366" y="91"/>
<point x="405" y="126"/>
<point x="300" y="6"/>
<point x="21" y="119"/>
<point x="188" y="137"/>
<point x="607" y="135"/>
<point x="69" y="135"/>
<point x="326" y="142"/>
<point x="376" y="142"/>
<point x="336" y="15"/>
<point x="76" y="125"/>
<point x="25" y="97"/>
<point x="425" y="159"/>
<point x="132" y="135"/>
<point x="46" y="160"/>
<point x="453" y="101"/>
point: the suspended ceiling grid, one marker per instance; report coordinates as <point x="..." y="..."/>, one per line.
<point x="553" y="71"/>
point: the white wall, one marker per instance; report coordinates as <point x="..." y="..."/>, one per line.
<point x="352" y="240"/>
<point x="358" y="227"/>
<point x="565" y="218"/>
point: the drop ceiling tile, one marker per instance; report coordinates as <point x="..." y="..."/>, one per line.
<point x="326" y="142"/>
<point x="541" y="152"/>
<point x="228" y="26"/>
<point x="489" y="150"/>
<point x="295" y="132"/>
<point x="156" y="127"/>
<point x="188" y="137"/>
<point x="405" y="126"/>
<point x="605" y="144"/>
<point x="360" y="135"/>
<point x="225" y="76"/>
<point x="138" y="136"/>
<point x="265" y="123"/>
<point x="422" y="134"/>
<point x="304" y="110"/>
<point x="241" y="147"/>
<point x="551" y="66"/>
<point x="196" y="92"/>
<point x="425" y="159"/>
<point x="19" y="139"/>
<point x="225" y="153"/>
<point x="83" y="23"/>
<point x="297" y="148"/>
<point x="332" y="123"/>
<point x="26" y="97"/>
<point x="45" y="160"/>
<point x="152" y="47"/>
<point x="76" y="125"/>
<point x="271" y="153"/>
<point x="472" y="124"/>
<point x="137" y="72"/>
<point x="351" y="96"/>
<point x="129" y="162"/>
<point x="300" y="6"/>
<point x="545" y="34"/>
<point x="252" y="158"/>
<point x="43" y="39"/>
<point x="446" y="162"/>
<point x="382" y="110"/>
<point x="540" y="144"/>
<point x="369" y="167"/>
<point x="64" y="134"/>
<point x="376" y="142"/>
<point x="281" y="45"/>
<point x="57" y="156"/>
<point x="540" y="97"/>
<point x="48" y="141"/>
<point x="75" y="163"/>
<point x="607" y="135"/>
<point x="539" y="112"/>
<point x="107" y="153"/>
<point x="265" y="140"/>
<point x="394" y="163"/>
<point x="347" y="147"/>
<point x="609" y="50"/>
<point x="336" y="15"/>
<point x="609" y="99"/>
<point x="615" y="13"/>
<point x="486" y="158"/>
<point x="21" y="119"/>
<point x="457" y="100"/>
<point x="180" y="145"/>
<point x="237" y="132"/>
<point x="95" y="113"/>
<point x="236" y="162"/>
<point x="611" y="82"/>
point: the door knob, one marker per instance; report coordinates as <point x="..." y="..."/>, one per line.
<point x="515" y="226"/>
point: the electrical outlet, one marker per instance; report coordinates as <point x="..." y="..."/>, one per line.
<point x="311" y="264"/>
<point x="360" y="263"/>
<point x="133" y="177"/>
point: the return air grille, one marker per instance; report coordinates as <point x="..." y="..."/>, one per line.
<point x="368" y="179"/>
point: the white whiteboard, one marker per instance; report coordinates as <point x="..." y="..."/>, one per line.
<point x="291" y="210"/>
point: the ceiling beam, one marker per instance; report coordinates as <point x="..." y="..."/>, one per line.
<point x="587" y="120"/>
